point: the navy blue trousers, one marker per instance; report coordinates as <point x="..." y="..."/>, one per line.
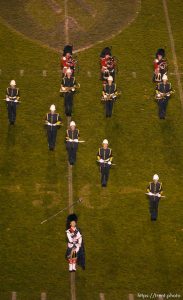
<point x="162" y="107"/>
<point x="68" y="103"/>
<point x="108" y="108"/>
<point x="104" y="168"/>
<point x="52" y="135"/>
<point x="153" y="207"/>
<point x="12" y="108"/>
<point x="72" y="150"/>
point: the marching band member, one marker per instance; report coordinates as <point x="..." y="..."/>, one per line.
<point x="163" y="93"/>
<point x="72" y="139"/>
<point x="160" y="65"/>
<point x="67" y="61"/>
<point x="109" y="96"/>
<point x="108" y="64"/>
<point x="12" y="99"/>
<point x="68" y="87"/>
<point x="75" y="248"/>
<point x="154" y="192"/>
<point x="53" y="122"/>
<point x="104" y="157"/>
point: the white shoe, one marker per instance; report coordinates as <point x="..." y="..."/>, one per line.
<point x="74" y="267"/>
<point x="70" y="268"/>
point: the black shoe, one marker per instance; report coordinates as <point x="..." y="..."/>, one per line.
<point x="104" y="184"/>
<point x="12" y="123"/>
<point x="71" y="163"/>
<point x="51" y="149"/>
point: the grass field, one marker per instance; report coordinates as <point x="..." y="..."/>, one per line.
<point x="125" y="252"/>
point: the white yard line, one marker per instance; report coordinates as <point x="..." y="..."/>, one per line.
<point x="13" y="296"/>
<point x="66" y="22"/>
<point x="70" y="186"/>
<point x="43" y="296"/>
<point x="172" y="43"/>
<point x="102" y="296"/>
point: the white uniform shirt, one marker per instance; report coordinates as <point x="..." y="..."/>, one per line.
<point x="74" y="239"/>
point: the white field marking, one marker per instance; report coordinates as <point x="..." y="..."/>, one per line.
<point x="44" y="73"/>
<point x="114" y="34"/>
<point x="70" y="178"/>
<point x="71" y="210"/>
<point x="175" y="74"/>
<point x="73" y="285"/>
<point x="102" y="296"/>
<point x="21" y="72"/>
<point x="43" y="296"/>
<point x="89" y="73"/>
<point x="134" y="75"/>
<point x="54" y="5"/>
<point x="13" y="296"/>
<point x="66" y="22"/>
<point x="0" y="71"/>
<point x="131" y="297"/>
<point x="172" y="43"/>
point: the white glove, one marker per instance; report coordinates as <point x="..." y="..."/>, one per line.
<point x="101" y="160"/>
<point x="150" y="194"/>
<point x="7" y="99"/>
<point x="109" y="162"/>
<point x="63" y="88"/>
<point x="158" y="195"/>
<point x="105" y="96"/>
<point x="70" y="140"/>
<point x="16" y="100"/>
<point x="76" y="140"/>
<point x="72" y="89"/>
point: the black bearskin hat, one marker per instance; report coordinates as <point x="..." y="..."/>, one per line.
<point x="105" y="51"/>
<point x="70" y="218"/>
<point x="67" y="49"/>
<point x="160" y="52"/>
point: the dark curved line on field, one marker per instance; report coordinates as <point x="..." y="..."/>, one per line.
<point x="4" y="22"/>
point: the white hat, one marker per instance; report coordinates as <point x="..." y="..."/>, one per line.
<point x="69" y="71"/>
<point x="164" y="77"/>
<point x="110" y="78"/>
<point x="52" y="107"/>
<point x="105" y="142"/>
<point x="72" y="123"/>
<point x="12" y="82"/>
<point x="156" y="177"/>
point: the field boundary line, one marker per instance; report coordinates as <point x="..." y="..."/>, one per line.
<point x="172" y="44"/>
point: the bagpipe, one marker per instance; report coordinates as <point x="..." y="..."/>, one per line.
<point x="162" y="96"/>
<point x="69" y="89"/>
<point x="110" y="97"/>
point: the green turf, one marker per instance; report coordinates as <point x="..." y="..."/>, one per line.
<point x="125" y="252"/>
